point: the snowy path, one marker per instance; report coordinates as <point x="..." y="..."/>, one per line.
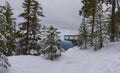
<point x="74" y="60"/>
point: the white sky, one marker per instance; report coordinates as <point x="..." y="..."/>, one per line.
<point x="62" y="13"/>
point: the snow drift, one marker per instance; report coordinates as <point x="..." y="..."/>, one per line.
<point x="106" y="60"/>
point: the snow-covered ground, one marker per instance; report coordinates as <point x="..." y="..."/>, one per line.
<point x="107" y="60"/>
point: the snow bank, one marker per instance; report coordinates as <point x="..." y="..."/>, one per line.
<point x="107" y="60"/>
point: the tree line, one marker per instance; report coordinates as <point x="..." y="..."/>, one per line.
<point x="100" y="24"/>
<point x="31" y="37"/>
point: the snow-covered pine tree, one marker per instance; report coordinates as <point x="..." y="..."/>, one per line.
<point x="93" y="12"/>
<point x="30" y="28"/>
<point x="52" y="48"/>
<point x="24" y="27"/>
<point x="4" y="63"/>
<point x="10" y="28"/>
<point x="98" y="40"/>
<point x="89" y="10"/>
<point x="3" y="29"/>
<point x="83" y="34"/>
<point x="100" y="28"/>
<point x="35" y="27"/>
<point x="3" y="50"/>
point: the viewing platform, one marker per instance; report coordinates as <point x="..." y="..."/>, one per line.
<point x="72" y="38"/>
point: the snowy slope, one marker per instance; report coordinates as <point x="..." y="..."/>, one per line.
<point x="74" y="60"/>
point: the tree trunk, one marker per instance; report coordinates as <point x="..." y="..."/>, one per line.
<point x="92" y="32"/>
<point x="101" y="38"/>
<point x="28" y="24"/>
<point x="112" y="35"/>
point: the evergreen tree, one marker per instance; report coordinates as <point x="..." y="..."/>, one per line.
<point x="117" y="28"/>
<point x="30" y="28"/>
<point x="35" y="26"/>
<point x="101" y="30"/>
<point x="3" y="50"/>
<point x="115" y="4"/>
<point x="52" y="48"/>
<point x="89" y="9"/>
<point x="4" y="61"/>
<point x="83" y="35"/>
<point x="117" y="21"/>
<point x="93" y="12"/>
<point x="10" y="28"/>
<point x="101" y="27"/>
<point x="24" y="26"/>
<point x="3" y="29"/>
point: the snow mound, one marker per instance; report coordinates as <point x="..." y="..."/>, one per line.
<point x="107" y="60"/>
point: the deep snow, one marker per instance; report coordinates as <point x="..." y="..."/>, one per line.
<point x="106" y="60"/>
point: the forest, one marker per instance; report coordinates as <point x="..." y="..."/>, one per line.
<point x="100" y="25"/>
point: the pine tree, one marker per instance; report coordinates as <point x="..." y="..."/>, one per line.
<point x="89" y="9"/>
<point x="98" y="21"/>
<point x="115" y="5"/>
<point x="100" y="26"/>
<point x="3" y="50"/>
<point x="52" y="48"/>
<point x="4" y="61"/>
<point x="3" y="29"/>
<point x="117" y="22"/>
<point x="30" y="28"/>
<point x="35" y="26"/>
<point x="24" y="26"/>
<point x="10" y="28"/>
<point x="100" y="32"/>
<point x="117" y="28"/>
<point x="83" y="34"/>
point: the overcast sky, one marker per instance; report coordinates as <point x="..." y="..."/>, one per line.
<point x="63" y="14"/>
